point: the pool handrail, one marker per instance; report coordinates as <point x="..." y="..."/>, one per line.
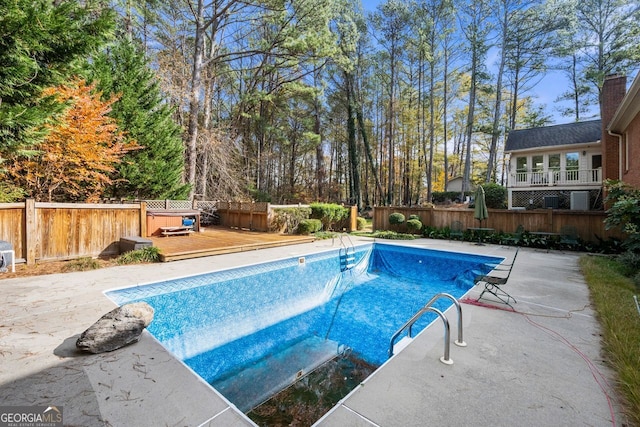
<point x="428" y="307"/>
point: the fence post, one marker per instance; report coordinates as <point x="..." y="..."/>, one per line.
<point x="31" y="237"/>
<point x="253" y="206"/>
<point x="269" y="217"/>
<point x="353" y="218"/>
<point x="143" y="219"/>
<point x="431" y="213"/>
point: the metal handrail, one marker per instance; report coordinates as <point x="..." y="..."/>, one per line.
<point x="348" y="238"/>
<point x="427" y="307"/>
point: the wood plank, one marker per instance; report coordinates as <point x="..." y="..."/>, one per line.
<point x="218" y="240"/>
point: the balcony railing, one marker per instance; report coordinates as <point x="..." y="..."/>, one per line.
<point x="554" y="178"/>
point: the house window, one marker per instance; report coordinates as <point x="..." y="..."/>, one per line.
<point x="521" y="169"/>
<point x="538" y="164"/>
<point x="537" y="167"/>
<point x="572" y="165"/>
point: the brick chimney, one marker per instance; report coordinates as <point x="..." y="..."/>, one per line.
<point x="613" y="92"/>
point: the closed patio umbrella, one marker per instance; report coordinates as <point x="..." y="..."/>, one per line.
<point x="480" y="212"/>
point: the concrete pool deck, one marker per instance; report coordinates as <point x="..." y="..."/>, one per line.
<point x="540" y="365"/>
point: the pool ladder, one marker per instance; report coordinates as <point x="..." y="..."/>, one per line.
<point x="347" y="253"/>
<point x="428" y="307"/>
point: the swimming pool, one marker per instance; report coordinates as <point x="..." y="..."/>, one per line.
<point x="252" y="331"/>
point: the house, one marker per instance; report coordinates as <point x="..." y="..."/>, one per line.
<point x="621" y="135"/>
<point x="454" y="184"/>
<point x="564" y="166"/>
<point x="556" y="166"/>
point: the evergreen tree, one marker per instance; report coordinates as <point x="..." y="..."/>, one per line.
<point x="155" y="171"/>
<point x="42" y="45"/>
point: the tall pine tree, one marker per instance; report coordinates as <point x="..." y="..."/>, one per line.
<point x="155" y="171"/>
<point x="42" y="44"/>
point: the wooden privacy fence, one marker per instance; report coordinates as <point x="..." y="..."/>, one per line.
<point x="588" y="223"/>
<point x="249" y="215"/>
<point x="56" y="231"/>
<point x="60" y="231"/>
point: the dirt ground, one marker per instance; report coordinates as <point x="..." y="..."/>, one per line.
<point x="39" y="269"/>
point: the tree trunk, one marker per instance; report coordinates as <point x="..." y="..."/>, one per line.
<point x="194" y="101"/>
<point x="495" y="128"/>
<point x="320" y="166"/>
<point x="367" y="148"/>
<point x="466" y="177"/>
<point x="390" y="129"/>
<point x="354" y="162"/>
<point x="432" y="138"/>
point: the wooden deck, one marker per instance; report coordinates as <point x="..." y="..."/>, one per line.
<point x="217" y="241"/>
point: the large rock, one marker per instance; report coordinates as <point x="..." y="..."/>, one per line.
<point x="119" y="327"/>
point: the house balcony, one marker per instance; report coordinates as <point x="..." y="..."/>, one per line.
<point x="570" y="178"/>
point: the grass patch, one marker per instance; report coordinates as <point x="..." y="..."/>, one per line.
<point x="612" y="295"/>
<point x="82" y="264"/>
<point x="147" y="254"/>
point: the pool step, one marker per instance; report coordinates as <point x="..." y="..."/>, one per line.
<point x="274" y="373"/>
<point x="347" y="253"/>
<point x="348" y="262"/>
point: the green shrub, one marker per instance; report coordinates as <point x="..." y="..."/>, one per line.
<point x="361" y="223"/>
<point x="624" y="212"/>
<point x="414" y="216"/>
<point x="396" y="218"/>
<point x="414" y="225"/>
<point x="630" y="262"/>
<point x="434" y="232"/>
<point x="308" y="226"/>
<point x="328" y="213"/>
<point x="286" y="220"/>
<point x="147" y="254"/>
<point x="495" y="195"/>
<point x="636" y="280"/>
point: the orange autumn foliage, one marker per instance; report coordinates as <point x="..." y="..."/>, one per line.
<point x="78" y="157"/>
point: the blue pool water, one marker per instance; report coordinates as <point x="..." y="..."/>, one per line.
<point x="232" y="327"/>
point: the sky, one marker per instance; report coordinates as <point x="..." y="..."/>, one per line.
<point x="544" y="93"/>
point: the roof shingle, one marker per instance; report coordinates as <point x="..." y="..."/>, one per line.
<point x="548" y="136"/>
